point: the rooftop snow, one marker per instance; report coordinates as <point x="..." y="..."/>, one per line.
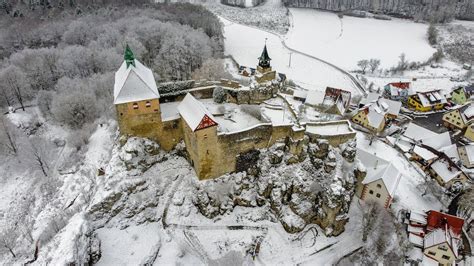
<point x="441" y="167"/>
<point x="329" y="129"/>
<point x="193" y="111"/>
<point x="424" y="153"/>
<point x="377" y="168"/>
<point x="416" y="132"/>
<point x="134" y="83"/>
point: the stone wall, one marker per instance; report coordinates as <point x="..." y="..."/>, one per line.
<point x="335" y="139"/>
<point x="242" y="3"/>
<point x="423" y="9"/>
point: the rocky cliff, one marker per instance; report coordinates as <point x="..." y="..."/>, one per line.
<point x="418" y="9"/>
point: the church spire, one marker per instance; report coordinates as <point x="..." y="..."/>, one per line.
<point x="129" y="57"/>
<point x="264" y="59"/>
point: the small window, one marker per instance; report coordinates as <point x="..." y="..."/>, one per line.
<point x="379" y="186"/>
<point x="445" y="257"/>
<point x="371" y="192"/>
<point x="205" y="136"/>
<point x="443" y="248"/>
<point x="431" y="253"/>
<point x="148" y="104"/>
<point x="121" y="113"/>
<point x="135" y="105"/>
<point x="378" y="195"/>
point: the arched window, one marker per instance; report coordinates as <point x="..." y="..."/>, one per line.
<point x="135" y="105"/>
<point x="148" y="104"/>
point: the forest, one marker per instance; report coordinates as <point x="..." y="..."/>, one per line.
<point x="63" y="59"/>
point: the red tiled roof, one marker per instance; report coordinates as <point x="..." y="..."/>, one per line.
<point x="401" y="85"/>
<point x="438" y="220"/>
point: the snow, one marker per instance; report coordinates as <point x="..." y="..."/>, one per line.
<point x="99" y="152"/>
<point x="416" y="132"/>
<point x="315" y="97"/>
<point x="330" y="128"/>
<point x="392" y="107"/>
<point x="134" y="83"/>
<point x="128" y="246"/>
<point x="424" y="153"/>
<point x="378" y="168"/>
<point x="442" y="169"/>
<point x="345" y="41"/>
<point x="305" y="71"/>
<point x="193" y="112"/>
<point x="169" y="111"/>
<point x="408" y="194"/>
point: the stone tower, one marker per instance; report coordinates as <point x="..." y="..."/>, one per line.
<point x="264" y="69"/>
<point x="136" y="99"/>
<point x="200" y="137"/>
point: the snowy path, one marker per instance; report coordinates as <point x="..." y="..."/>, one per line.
<point x="306" y="70"/>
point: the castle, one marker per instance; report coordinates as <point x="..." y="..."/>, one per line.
<point x="211" y="151"/>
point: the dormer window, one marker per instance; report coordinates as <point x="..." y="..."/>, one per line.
<point x="135" y="105"/>
<point x="148" y="104"/>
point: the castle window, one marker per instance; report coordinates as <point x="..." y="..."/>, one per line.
<point x="135" y="105"/>
<point x="148" y="104"/>
<point x="432" y="253"/>
<point x="371" y="192"/>
<point x="445" y="257"/>
<point x="205" y="136"/>
<point x="378" y="195"/>
<point x="121" y="113"/>
<point x="379" y="186"/>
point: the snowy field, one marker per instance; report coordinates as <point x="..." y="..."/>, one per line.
<point x="245" y="44"/>
<point x="345" y="41"/>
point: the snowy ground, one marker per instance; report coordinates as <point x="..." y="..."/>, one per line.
<point x="345" y="41"/>
<point x="307" y="72"/>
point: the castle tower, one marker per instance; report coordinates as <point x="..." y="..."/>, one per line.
<point x="136" y="99"/>
<point x="264" y="69"/>
<point x="200" y="137"/>
<point x="264" y="61"/>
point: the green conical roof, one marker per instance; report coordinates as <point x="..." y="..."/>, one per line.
<point x="129" y="57"/>
<point x="264" y="59"/>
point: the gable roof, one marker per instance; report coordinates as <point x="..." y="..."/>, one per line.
<point x="436" y="219"/>
<point x="416" y="132"/>
<point x="378" y="168"/>
<point x="195" y="114"/>
<point x="445" y="170"/>
<point x="134" y="83"/>
<point x="440" y="236"/>
<point x="430" y="98"/>
<point x="438" y="141"/>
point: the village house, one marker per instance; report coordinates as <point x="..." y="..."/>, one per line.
<point x="380" y="181"/>
<point x="397" y="91"/>
<point x="376" y="112"/>
<point x="469" y="133"/>
<point x="466" y="153"/>
<point x="462" y="94"/>
<point x="458" y="118"/>
<point x="332" y="100"/>
<point x="212" y="150"/>
<point x="447" y="173"/>
<point x="437" y="235"/>
<point x="427" y="101"/>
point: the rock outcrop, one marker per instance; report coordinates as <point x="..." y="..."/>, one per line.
<point x="316" y="189"/>
<point x="418" y="9"/>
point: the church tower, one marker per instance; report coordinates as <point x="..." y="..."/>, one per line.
<point x="264" y="69"/>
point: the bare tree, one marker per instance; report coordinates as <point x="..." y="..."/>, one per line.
<point x="8" y="239"/>
<point x="37" y="152"/>
<point x="15" y="80"/>
<point x="363" y="64"/>
<point x="374" y="64"/>
<point x="7" y="137"/>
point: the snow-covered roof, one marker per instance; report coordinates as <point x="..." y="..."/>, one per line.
<point x="442" y="168"/>
<point x="134" y="83"/>
<point x="435" y="237"/>
<point x="451" y="151"/>
<point x="300" y="94"/>
<point x="438" y="141"/>
<point x="415" y="229"/>
<point x="469" y="112"/>
<point x="430" y="98"/>
<point x="378" y="168"/>
<point x="195" y="114"/>
<point x="374" y="117"/>
<point x="415" y="239"/>
<point x="424" y="153"/>
<point x="389" y="106"/>
<point x="427" y="261"/>
<point x="418" y="217"/>
<point x="314" y="97"/>
<point x="416" y="132"/>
